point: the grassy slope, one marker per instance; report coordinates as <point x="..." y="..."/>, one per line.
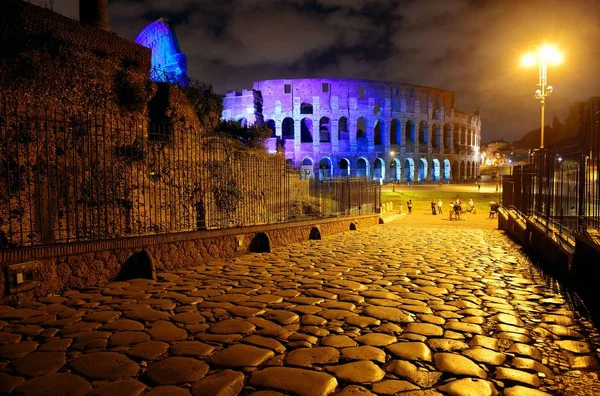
<point x="422" y="199"/>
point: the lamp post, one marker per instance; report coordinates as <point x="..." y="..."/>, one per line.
<point x="545" y="54"/>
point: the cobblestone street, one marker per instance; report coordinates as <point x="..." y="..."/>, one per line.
<point x="399" y="308"/>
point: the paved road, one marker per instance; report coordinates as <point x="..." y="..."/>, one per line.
<point x="402" y="307"/>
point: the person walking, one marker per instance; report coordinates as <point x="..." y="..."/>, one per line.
<point x="451" y="210"/>
<point x="478" y="187"/>
<point x="439" y="206"/>
<point x="409" y="205"/>
<point x="433" y="212"/>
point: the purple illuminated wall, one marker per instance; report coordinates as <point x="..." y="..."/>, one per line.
<point x="160" y="37"/>
<point x="349" y="127"/>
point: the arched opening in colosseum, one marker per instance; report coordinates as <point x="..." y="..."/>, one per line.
<point x="447" y="135"/>
<point x="287" y="128"/>
<point x="325" y="168"/>
<point x="455" y="170"/>
<point x="306" y="168"/>
<point x="464" y="135"/>
<point x="324" y="128"/>
<point x="422" y="175"/>
<point x="409" y="133"/>
<point x="306" y="108"/>
<point x="343" y="133"/>
<point x="435" y="170"/>
<point x="344" y="167"/>
<point x="395" y="170"/>
<point x="361" y="128"/>
<point x="468" y="170"/>
<point x="362" y="167"/>
<point x="446" y="171"/>
<point x="395" y="132"/>
<point x="456" y="136"/>
<point x="271" y="125"/>
<point x="423" y="133"/>
<point x="473" y="170"/>
<point x="378" y="132"/>
<point x="462" y="170"/>
<point x="242" y="121"/>
<point x="378" y="169"/>
<point x="409" y="170"/>
<point x="435" y="135"/>
<point x="306" y="130"/>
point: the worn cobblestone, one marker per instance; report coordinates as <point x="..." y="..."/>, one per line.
<point x="396" y="308"/>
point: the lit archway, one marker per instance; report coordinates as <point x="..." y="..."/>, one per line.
<point x="362" y="167"/>
<point x="435" y="170"/>
<point x="307" y="168"/>
<point x="422" y="175"/>
<point x="462" y="170"/>
<point x="378" y="169"/>
<point x="447" y="171"/>
<point x="344" y="167"/>
<point x="409" y="170"/>
<point x="325" y="168"/>
<point x="361" y="128"/>
<point x="395" y="170"/>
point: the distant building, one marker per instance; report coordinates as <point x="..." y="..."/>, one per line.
<point x="168" y="62"/>
<point x="381" y="130"/>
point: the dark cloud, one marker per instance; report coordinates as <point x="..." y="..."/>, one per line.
<point x="468" y="46"/>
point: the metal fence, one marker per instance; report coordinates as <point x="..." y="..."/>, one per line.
<point x="182" y="81"/>
<point x="67" y="177"/>
<point x="560" y="186"/>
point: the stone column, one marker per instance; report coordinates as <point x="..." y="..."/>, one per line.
<point x="371" y="134"/>
<point x="94" y="13"/>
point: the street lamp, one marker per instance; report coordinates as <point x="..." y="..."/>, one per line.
<point x="547" y="53"/>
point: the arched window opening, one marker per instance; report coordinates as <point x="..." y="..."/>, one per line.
<point x="287" y="128"/>
<point x="306" y="108"/>
<point x="271" y="125"/>
<point x="395" y="132"/>
<point x="378" y="132"/>
<point x="324" y="135"/>
<point x="361" y="128"/>
<point x="306" y="130"/>
<point x="423" y="132"/>
<point x="343" y="129"/>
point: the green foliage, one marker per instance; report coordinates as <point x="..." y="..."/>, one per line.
<point x="208" y="107"/>
<point x="253" y="136"/>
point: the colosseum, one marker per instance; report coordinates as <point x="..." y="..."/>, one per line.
<point x="345" y="127"/>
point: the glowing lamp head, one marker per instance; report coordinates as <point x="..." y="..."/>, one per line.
<point x="549" y="53"/>
<point x="528" y="60"/>
<point x="392" y="153"/>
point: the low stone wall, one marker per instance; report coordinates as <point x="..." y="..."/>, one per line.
<point x="554" y="258"/>
<point x="46" y="270"/>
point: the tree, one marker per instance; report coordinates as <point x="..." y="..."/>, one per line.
<point x="252" y="136"/>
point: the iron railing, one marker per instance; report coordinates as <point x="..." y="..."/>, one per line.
<point x="182" y="81"/>
<point x="560" y="187"/>
<point x="70" y="177"/>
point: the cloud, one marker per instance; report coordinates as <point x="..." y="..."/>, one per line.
<point x="471" y="47"/>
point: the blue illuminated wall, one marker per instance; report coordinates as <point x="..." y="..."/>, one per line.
<point x="167" y="58"/>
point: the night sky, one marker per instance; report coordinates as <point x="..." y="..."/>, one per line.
<point x="471" y="47"/>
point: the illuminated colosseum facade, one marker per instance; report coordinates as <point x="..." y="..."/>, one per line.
<point x="382" y="130"/>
